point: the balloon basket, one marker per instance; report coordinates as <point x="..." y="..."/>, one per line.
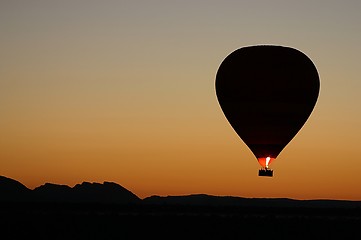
<point x="265" y="172"/>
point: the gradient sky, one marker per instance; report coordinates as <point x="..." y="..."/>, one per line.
<point x="123" y="91"/>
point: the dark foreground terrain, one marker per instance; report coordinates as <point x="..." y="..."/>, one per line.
<point x="110" y="211"/>
<point x="147" y="221"/>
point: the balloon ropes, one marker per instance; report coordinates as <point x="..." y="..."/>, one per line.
<point x="267" y="94"/>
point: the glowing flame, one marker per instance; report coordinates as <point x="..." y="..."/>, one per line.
<point x="267" y="161"/>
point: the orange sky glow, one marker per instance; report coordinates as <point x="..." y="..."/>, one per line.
<point x="124" y="91"/>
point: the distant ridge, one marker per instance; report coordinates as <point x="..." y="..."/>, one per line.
<point x="113" y="193"/>
<point x="208" y="200"/>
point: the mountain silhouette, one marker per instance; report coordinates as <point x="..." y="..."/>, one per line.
<point x="109" y="211"/>
<point x="113" y="193"/>
<point x="50" y="192"/>
<point x="12" y="190"/>
<point x="108" y="192"/>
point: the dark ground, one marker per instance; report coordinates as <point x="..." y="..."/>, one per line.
<point x="112" y="221"/>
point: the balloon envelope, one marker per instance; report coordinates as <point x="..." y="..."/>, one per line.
<point x="267" y="93"/>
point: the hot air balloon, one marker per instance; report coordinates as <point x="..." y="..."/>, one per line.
<point x="267" y="94"/>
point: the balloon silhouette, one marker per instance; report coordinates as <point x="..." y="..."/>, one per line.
<point x="267" y="93"/>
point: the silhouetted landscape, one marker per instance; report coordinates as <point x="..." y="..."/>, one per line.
<point x="110" y="211"/>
